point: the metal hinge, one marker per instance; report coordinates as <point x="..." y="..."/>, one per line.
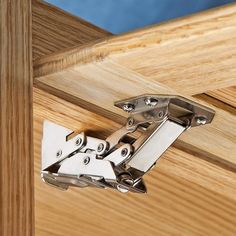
<point x="120" y="161"/>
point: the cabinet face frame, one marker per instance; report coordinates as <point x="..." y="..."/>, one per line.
<point x="16" y="126"/>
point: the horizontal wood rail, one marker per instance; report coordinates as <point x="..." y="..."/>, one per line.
<point x="178" y="53"/>
<point x="96" y="86"/>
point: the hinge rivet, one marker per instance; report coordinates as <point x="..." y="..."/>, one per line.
<point x="100" y="147"/>
<point x="59" y="153"/>
<point x="128" y="107"/>
<point x="124" y="152"/>
<point x="86" y="160"/>
<point x="78" y="141"/>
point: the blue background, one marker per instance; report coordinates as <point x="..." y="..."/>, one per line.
<point x="119" y="16"/>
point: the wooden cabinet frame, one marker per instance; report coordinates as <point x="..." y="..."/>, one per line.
<point x="79" y="71"/>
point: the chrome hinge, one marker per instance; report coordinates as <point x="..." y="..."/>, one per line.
<point x="120" y="161"/>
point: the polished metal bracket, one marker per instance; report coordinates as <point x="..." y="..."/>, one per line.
<point x="121" y="160"/>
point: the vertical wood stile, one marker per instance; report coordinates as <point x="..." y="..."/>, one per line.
<point x="16" y="149"/>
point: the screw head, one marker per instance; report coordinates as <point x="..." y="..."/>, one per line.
<point x="130" y="121"/>
<point x="125" y="181"/>
<point x="100" y="147"/>
<point x="121" y="189"/>
<point x="124" y="152"/>
<point x="128" y="107"/>
<point x="128" y="181"/>
<point x="86" y="160"/>
<point x="59" y="153"/>
<point x="78" y="141"/>
<point x="151" y="102"/>
<point x="201" y="120"/>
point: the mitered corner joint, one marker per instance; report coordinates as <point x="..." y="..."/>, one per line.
<point x="122" y="159"/>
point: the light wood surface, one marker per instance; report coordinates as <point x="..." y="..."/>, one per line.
<point x="226" y="95"/>
<point x="187" y="195"/>
<point x="16" y="141"/>
<point x="49" y="22"/>
<point x="54" y="29"/>
<point x="96" y="86"/>
<point x="97" y="75"/>
<point x="192" y="55"/>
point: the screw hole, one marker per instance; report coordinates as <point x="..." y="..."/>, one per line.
<point x="59" y="153"/>
<point x="124" y="152"/>
<point x="86" y="160"/>
<point x="78" y="141"/>
<point x="100" y="147"/>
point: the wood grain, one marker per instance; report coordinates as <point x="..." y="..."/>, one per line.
<point x="193" y="54"/>
<point x="16" y="140"/>
<point x="103" y="83"/>
<point x="54" y="29"/>
<point x="186" y="194"/>
<point x="226" y="95"/>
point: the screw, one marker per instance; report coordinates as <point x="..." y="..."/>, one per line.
<point x="78" y="141"/>
<point x="121" y="189"/>
<point x="59" y="153"/>
<point x="100" y="147"/>
<point x="160" y="114"/>
<point x="151" y="102"/>
<point x="128" y="107"/>
<point x="86" y="160"/>
<point x="124" y="152"/>
<point x="128" y="181"/>
<point x="130" y="121"/>
<point x="201" y="120"/>
<point x="125" y="181"/>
